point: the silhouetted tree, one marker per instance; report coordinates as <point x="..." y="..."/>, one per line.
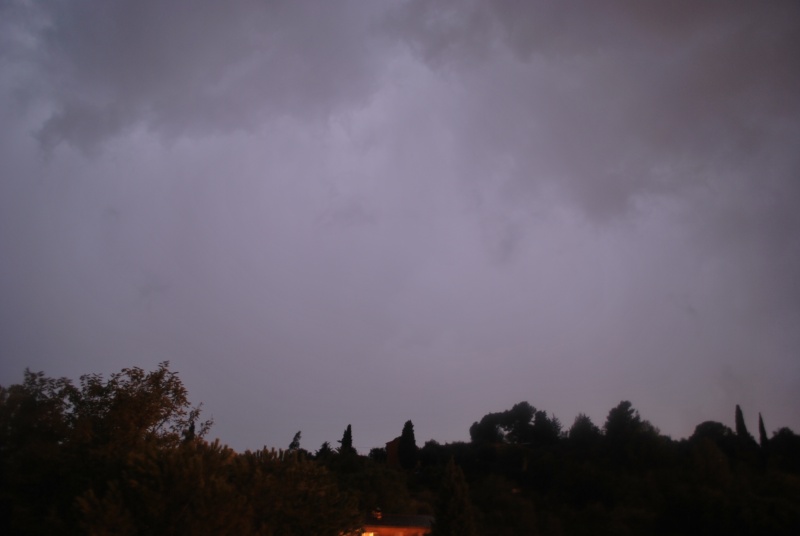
<point x="719" y="434"/>
<point x="546" y="430"/>
<point x="741" y="427"/>
<point x="433" y="453"/>
<point x="295" y="444"/>
<point x="325" y="451"/>
<point x="716" y="431"/>
<point x="407" y="447"/>
<point x="292" y="495"/>
<point x="785" y="449"/>
<point x="763" y="440"/>
<point x="453" y="510"/>
<point x="513" y="426"/>
<point x="516" y="423"/>
<point x="583" y="431"/>
<point x="622" y="422"/>
<point x="59" y="442"/>
<point x="377" y="454"/>
<point x="347" y="441"/>
<point x="126" y="455"/>
<point x="487" y="430"/>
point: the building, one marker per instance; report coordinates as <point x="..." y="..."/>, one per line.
<point x="378" y="524"/>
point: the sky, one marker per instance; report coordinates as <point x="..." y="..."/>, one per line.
<point x="358" y="212"/>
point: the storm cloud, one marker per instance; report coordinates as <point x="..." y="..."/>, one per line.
<point x="325" y="213"/>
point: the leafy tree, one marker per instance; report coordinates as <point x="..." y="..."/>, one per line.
<point x="126" y="455"/>
<point x="717" y="433"/>
<point x="454" y="516"/>
<point x="487" y="430"/>
<point x="208" y="489"/>
<point x="713" y="430"/>
<point x="292" y="495"/>
<point x="510" y="426"/>
<point x="184" y="490"/>
<point x="407" y="447"/>
<point x="133" y="406"/>
<point x="377" y="454"/>
<point x="516" y="423"/>
<point x="347" y="441"/>
<point x="62" y="441"/>
<point x="35" y="486"/>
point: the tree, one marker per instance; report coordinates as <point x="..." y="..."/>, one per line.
<point x="762" y="433"/>
<point x="407" y="447"/>
<point x="717" y="433"/>
<point x="35" y="488"/>
<point x="454" y="516"/>
<point x="741" y="428"/>
<point x="785" y="449"/>
<point x="487" y="430"/>
<point x="59" y="442"/>
<point x="191" y="489"/>
<point x="622" y="422"/>
<point x="713" y="430"/>
<point x="325" y="451"/>
<point x="347" y="441"/>
<point x="293" y="495"/>
<point x="377" y="454"/>
<point x="208" y="489"/>
<point x="517" y="423"/>
<point x="133" y="406"/>
<point x="583" y="431"/>
<point x="510" y="426"/>
<point x="545" y="430"/>
<point x="295" y="444"/>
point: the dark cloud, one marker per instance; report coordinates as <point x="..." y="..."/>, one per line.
<point x="197" y="67"/>
<point x="622" y="100"/>
<point x="330" y="213"/>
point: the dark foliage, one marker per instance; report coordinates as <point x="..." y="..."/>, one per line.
<point x="454" y="515"/>
<point x="763" y="439"/>
<point x="407" y="447"/>
<point x="127" y="455"/>
<point x="346" y="442"/>
<point x="295" y="444"/>
<point x="325" y="451"/>
<point x="741" y="428"/>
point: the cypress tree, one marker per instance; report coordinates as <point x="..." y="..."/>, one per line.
<point x="407" y="447"/>
<point x="741" y="428"/>
<point x="295" y="444"/>
<point x="762" y="433"/>
<point x="347" y="441"/>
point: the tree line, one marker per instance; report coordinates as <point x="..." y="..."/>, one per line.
<point x="127" y="454"/>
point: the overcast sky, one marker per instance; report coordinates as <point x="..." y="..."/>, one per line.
<point x="329" y="213"/>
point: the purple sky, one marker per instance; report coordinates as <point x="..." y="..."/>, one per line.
<point x="364" y="212"/>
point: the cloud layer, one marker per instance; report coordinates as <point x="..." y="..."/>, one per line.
<point x="325" y="214"/>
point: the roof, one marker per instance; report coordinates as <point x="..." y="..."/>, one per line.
<point x="392" y="520"/>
